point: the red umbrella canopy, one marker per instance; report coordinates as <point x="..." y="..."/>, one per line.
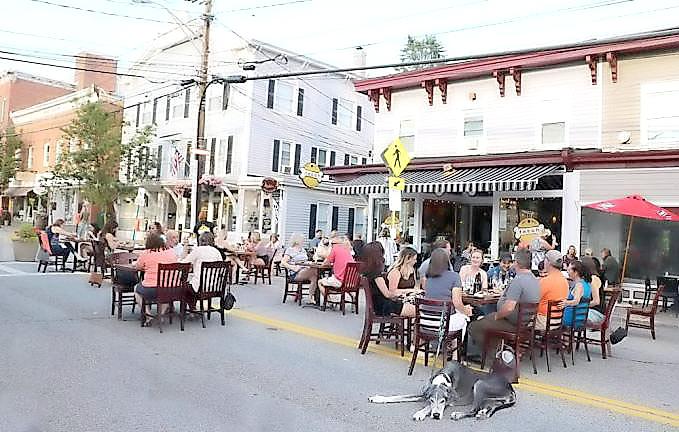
<point x="635" y="205"/>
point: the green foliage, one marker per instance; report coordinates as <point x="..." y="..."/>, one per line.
<point x="26" y="232"/>
<point x="9" y="164"/>
<point x="427" y="48"/>
<point x="96" y="163"/>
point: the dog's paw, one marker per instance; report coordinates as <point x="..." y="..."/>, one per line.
<point x="420" y="415"/>
<point x="457" y="415"/>
<point x="482" y="414"/>
<point x="377" y="399"/>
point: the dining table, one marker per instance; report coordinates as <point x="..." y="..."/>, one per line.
<point x="481" y="299"/>
<point x="321" y="269"/>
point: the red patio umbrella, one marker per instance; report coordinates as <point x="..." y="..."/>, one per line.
<point x="634" y="206"/>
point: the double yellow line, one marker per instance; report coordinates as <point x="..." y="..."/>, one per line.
<point x="583" y="398"/>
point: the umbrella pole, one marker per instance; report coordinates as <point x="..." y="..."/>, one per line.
<point x="624" y="262"/>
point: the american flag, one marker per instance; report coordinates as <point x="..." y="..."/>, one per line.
<point x="177" y="161"/>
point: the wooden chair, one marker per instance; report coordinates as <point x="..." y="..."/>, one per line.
<point x="214" y="279"/>
<point x="645" y="312"/>
<point x="577" y="333"/>
<point x="122" y="294"/>
<point x="349" y="288"/>
<point x="295" y="288"/>
<point x="264" y="270"/>
<point x="99" y="258"/>
<point x="552" y="337"/>
<point x="389" y="326"/>
<point x="432" y="318"/>
<point x="521" y="338"/>
<point x="171" y="286"/>
<point x="648" y="292"/>
<point x="45" y="255"/>
<point x="603" y="326"/>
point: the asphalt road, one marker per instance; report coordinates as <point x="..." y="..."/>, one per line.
<point x="68" y="366"/>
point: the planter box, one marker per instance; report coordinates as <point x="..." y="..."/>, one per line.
<point x="25" y="251"/>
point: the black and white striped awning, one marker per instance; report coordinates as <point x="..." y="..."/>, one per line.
<point x="511" y="178"/>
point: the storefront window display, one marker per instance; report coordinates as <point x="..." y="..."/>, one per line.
<point x="438" y="222"/>
<point x="521" y="219"/>
<point x="402" y="227"/>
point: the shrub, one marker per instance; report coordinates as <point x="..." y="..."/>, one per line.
<point x="26" y="232"/>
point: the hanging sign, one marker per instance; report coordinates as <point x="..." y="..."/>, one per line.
<point x="311" y="175"/>
<point x="528" y="229"/>
<point x="397" y="183"/>
<point x="396" y="157"/>
<point x="269" y="185"/>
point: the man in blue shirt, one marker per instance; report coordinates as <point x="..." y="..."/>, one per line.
<point x="502" y="274"/>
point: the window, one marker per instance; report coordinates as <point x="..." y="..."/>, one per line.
<point x="155" y="110"/>
<point x="187" y="102"/>
<point x="229" y="154"/>
<point x="286" y="152"/>
<point x="300" y="102"/>
<point x="354" y="160"/>
<point x="554" y="133"/>
<point x="660" y="114"/>
<point x="282" y="157"/>
<point x="284" y="97"/>
<point x="177" y="106"/>
<point x="29" y="158"/>
<point x="147" y="113"/>
<point x="344" y="113"/>
<point x="46" y="155"/>
<point x="214" y="102"/>
<point x="407" y="134"/>
<point x="359" y="221"/>
<point x="321" y="159"/>
<point x="59" y="149"/>
<point x="323" y="217"/>
<point x="226" y="94"/>
<point x="473" y="126"/>
<point x="359" y="117"/>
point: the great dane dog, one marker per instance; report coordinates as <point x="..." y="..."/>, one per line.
<point x="458" y="385"/>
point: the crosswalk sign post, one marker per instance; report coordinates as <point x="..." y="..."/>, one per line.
<point x="396" y="157"/>
<point x="397" y="183"/>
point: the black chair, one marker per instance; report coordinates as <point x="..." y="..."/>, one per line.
<point x="214" y="279"/>
<point x="296" y="288"/>
<point x="670" y="291"/>
<point x="648" y="292"/>
<point x="432" y="317"/>
<point x="171" y="286"/>
<point x="122" y="288"/>
<point x="553" y="334"/>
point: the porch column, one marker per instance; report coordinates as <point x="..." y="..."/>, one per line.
<point x="495" y="227"/>
<point x="371" y="215"/>
<point x="417" y="235"/>
<point x="571" y="212"/>
<point x="260" y="221"/>
<point x="240" y="210"/>
<point x="220" y="210"/>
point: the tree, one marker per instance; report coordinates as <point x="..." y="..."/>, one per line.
<point x="10" y="143"/>
<point x="427" y="48"/>
<point x="95" y="164"/>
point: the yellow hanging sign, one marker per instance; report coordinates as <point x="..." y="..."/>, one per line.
<point x="396" y="157"/>
<point x="397" y="183"/>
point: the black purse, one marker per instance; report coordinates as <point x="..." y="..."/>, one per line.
<point x="618" y="335"/>
<point x="229" y="301"/>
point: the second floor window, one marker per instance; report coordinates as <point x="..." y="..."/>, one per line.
<point x="554" y="133"/>
<point x="46" y="155"/>
<point x="322" y="158"/>
<point x="284" y="97"/>
<point x="660" y="111"/>
<point x="345" y="113"/>
<point x="406" y="134"/>
<point x="177" y="103"/>
<point x="147" y="113"/>
<point x="29" y="158"/>
<point x="473" y="126"/>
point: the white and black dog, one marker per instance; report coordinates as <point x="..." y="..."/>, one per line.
<point x="458" y="385"/>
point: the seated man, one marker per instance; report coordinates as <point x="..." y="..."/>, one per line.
<point x="524" y="288"/>
<point x="339" y="257"/>
<point x="424" y="267"/>
<point x="553" y="287"/>
<point x="501" y="275"/>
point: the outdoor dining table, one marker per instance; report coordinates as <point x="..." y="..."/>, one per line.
<point x="320" y="269"/>
<point x="481" y="300"/>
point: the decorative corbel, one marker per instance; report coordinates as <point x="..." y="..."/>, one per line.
<point x="443" y="88"/>
<point x="592" y="63"/>
<point x="500" y="76"/>
<point x="374" y="97"/>
<point x="429" y="87"/>
<point x="386" y="92"/>
<point x="612" y="59"/>
<point x="516" y="74"/>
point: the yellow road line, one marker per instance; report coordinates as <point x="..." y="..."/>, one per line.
<point x="532" y="386"/>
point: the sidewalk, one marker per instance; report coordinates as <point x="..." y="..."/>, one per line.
<point x="6" y="250"/>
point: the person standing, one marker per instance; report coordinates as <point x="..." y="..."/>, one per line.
<point x="203" y="225"/>
<point x="609" y="267"/>
<point x="571" y="255"/>
<point x="389" y="247"/>
<point x="84" y="220"/>
<point x="538" y="249"/>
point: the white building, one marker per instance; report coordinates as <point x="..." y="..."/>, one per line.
<point x="256" y="130"/>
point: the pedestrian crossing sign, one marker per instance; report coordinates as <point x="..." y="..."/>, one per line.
<point x="397" y="183"/>
<point x="396" y="157"/>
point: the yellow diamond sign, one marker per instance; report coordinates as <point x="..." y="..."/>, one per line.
<point x="396" y="157"/>
<point x="397" y="183"/>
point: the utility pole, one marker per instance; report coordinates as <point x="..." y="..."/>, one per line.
<point x="201" y="142"/>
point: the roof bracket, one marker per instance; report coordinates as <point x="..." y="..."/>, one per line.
<point x="516" y="74"/>
<point x="386" y="92"/>
<point x="429" y="87"/>
<point x="374" y="97"/>
<point x="612" y="59"/>
<point x="592" y="63"/>
<point x="500" y="76"/>
<point x="443" y="88"/>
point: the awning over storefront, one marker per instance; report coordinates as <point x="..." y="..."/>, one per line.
<point x="17" y="191"/>
<point x="511" y="178"/>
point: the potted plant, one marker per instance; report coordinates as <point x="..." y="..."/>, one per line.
<point x="25" y="243"/>
<point x="209" y="182"/>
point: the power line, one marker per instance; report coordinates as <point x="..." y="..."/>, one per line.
<point x="65" y="6"/>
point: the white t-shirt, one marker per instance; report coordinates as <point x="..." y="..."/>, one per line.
<point x="197" y="257"/>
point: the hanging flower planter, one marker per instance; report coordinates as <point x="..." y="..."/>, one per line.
<point x="209" y="182"/>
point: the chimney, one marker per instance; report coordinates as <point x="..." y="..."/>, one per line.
<point x="88" y="73"/>
<point x="360" y="60"/>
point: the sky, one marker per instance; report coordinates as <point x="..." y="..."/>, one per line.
<point x="52" y="31"/>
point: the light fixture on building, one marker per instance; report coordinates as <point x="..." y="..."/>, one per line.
<point x="472" y="96"/>
<point x="624" y="137"/>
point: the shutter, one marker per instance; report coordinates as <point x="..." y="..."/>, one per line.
<point x="334" y="111"/>
<point x="350" y="223"/>
<point x="187" y="163"/>
<point x="229" y="154"/>
<point x="359" y="113"/>
<point x="314" y="153"/>
<point x="335" y="218"/>
<point x="226" y="93"/>
<point x="155" y="109"/>
<point x="312" y="220"/>
<point x="298" y="154"/>
<point x="270" y="95"/>
<point x="346" y="159"/>
<point x="364" y="161"/>
<point x="187" y="102"/>
<point x="276" y="154"/>
<point x="300" y="102"/>
<point x="332" y="158"/>
<point x="167" y="108"/>
<point x="159" y="161"/>
<point x="128" y="168"/>
<point x="136" y="122"/>
<point x="213" y="148"/>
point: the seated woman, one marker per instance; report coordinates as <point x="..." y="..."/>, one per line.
<point x="594" y="315"/>
<point x="292" y="258"/>
<point x="108" y="236"/>
<point x="385" y="302"/>
<point x="157" y="227"/>
<point x="54" y="234"/>
<point x="91" y="234"/>
<point x="155" y="253"/>
<point x="401" y="275"/>
<point x="582" y="288"/>
<point x="472" y="275"/>
<point x="323" y="249"/>
<point x="205" y="252"/>
<point x="445" y="284"/>
<point x="274" y="244"/>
